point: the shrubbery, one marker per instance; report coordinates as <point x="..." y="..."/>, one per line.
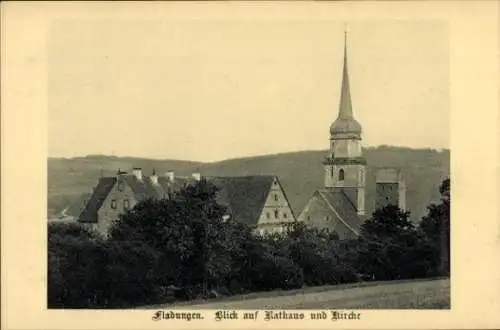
<point x="181" y="249"/>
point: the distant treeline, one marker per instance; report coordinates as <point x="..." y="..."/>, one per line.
<point x="181" y="249"/>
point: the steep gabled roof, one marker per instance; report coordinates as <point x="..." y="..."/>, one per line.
<point x="245" y="196"/>
<point x="343" y="207"/>
<point x="98" y="197"/>
<point x="77" y="206"/>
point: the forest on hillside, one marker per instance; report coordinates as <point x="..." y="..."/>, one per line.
<point x="299" y="172"/>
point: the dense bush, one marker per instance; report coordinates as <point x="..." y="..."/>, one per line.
<point x="85" y="270"/>
<point x="180" y="248"/>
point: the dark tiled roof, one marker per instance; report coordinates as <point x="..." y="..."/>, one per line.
<point x="78" y="205"/>
<point x="245" y="195"/>
<point x="339" y="201"/>
<point x="143" y="188"/>
<point x="101" y="191"/>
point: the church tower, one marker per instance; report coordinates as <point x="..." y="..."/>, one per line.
<point x="345" y="166"/>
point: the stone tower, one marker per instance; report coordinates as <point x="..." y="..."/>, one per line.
<point x="345" y="166"/>
<point x="390" y="188"/>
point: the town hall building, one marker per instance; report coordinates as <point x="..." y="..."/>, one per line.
<point x="340" y="205"/>
<point x="258" y="201"/>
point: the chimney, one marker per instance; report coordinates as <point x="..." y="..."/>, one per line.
<point x="197" y="176"/>
<point x="119" y="173"/>
<point x="137" y="171"/>
<point x="154" y="177"/>
<point x="170" y="176"/>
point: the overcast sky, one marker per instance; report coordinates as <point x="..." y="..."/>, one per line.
<point x="211" y="90"/>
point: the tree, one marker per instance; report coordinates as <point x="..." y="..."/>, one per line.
<point x="390" y="247"/>
<point x="188" y="229"/>
<point x="130" y="276"/>
<point x="435" y="227"/>
<point x="75" y="266"/>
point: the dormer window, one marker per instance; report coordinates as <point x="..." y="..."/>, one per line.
<point x="341" y="175"/>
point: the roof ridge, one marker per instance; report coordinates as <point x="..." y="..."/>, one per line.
<point x="348" y="199"/>
<point x="338" y="215"/>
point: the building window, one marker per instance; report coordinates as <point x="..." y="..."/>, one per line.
<point x="327" y="218"/>
<point x="126" y="204"/>
<point x="285" y="215"/>
<point x="308" y="218"/>
<point x="276" y="214"/>
<point x="268" y="215"/>
<point x="276" y="197"/>
<point x="341" y="175"/>
<point x="113" y="204"/>
<point x="331" y="171"/>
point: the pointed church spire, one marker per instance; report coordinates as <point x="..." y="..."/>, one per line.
<point x="345" y="125"/>
<point x="345" y="109"/>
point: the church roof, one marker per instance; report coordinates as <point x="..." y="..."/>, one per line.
<point x="340" y="203"/>
<point x="345" y="124"/>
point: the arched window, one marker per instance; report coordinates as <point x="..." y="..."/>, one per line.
<point x="276" y="197"/>
<point x="331" y="171"/>
<point x="268" y="215"/>
<point x="341" y="175"/>
<point x="276" y="214"/>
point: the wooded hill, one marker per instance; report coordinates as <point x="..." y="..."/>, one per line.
<point x="299" y="172"/>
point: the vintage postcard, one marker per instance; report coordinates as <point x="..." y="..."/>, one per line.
<point x="250" y="164"/>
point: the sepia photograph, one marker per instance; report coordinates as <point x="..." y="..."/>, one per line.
<point x="248" y="165"/>
<point x="240" y="165"/>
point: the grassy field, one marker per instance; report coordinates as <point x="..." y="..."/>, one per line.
<point x="414" y="294"/>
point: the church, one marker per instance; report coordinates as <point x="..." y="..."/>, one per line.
<point x="340" y="205"/>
